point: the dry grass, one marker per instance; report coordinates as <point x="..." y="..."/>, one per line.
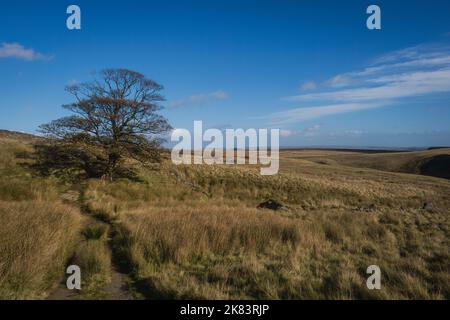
<point x="36" y="240"/>
<point x="38" y="233"/>
<point x="214" y="244"/>
<point x="406" y="162"/>
<point x="199" y="244"/>
<point x="195" y="232"/>
<point x="94" y="259"/>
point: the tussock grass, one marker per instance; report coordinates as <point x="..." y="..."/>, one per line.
<point x="220" y="246"/>
<point x="195" y="231"/>
<point x="27" y="188"/>
<point x="16" y="182"/>
<point x="9" y="149"/>
<point x="406" y="162"/>
<point x="95" y="231"/>
<point x="38" y="233"/>
<point x="94" y="259"/>
<point x="36" y="240"/>
<point x="201" y="245"/>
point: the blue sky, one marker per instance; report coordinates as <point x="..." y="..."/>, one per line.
<point x="310" y="68"/>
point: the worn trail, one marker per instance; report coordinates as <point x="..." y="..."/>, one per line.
<point x="119" y="286"/>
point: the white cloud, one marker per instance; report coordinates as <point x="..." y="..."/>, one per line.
<point x="219" y="94"/>
<point x="341" y="80"/>
<point x="301" y="114"/>
<point x="307" y="132"/>
<point x="417" y="71"/>
<point x="418" y="58"/>
<point x="308" y="86"/>
<point x="392" y="87"/>
<point x="198" y="99"/>
<point x="312" y="131"/>
<point x="421" y="51"/>
<point x="424" y="61"/>
<point x="16" y="50"/>
<point x="287" y="133"/>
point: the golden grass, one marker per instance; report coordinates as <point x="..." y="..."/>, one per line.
<point x="9" y="148"/>
<point x="406" y="162"/>
<point x="183" y="244"/>
<point x="38" y="233"/>
<point x="94" y="259"/>
<point x="195" y="232"/>
<point x="36" y="239"/>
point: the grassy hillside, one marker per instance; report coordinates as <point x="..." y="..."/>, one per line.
<point x="197" y="231"/>
<point x="435" y="162"/>
<point x="37" y="230"/>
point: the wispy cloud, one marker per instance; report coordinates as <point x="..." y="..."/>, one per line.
<point x="420" y="70"/>
<point x="307" y="113"/>
<point x="198" y="99"/>
<point x="340" y="80"/>
<point x="307" y="132"/>
<point x="18" y="51"/>
<point x="308" y="85"/>
<point x="424" y="50"/>
<point x="312" y="131"/>
<point x="353" y="132"/>
<point x="392" y="86"/>
<point x="286" y="133"/>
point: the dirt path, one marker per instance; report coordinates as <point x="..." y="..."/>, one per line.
<point x="117" y="289"/>
<point x="62" y="293"/>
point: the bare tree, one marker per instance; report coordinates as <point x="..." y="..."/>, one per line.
<point x="114" y="118"/>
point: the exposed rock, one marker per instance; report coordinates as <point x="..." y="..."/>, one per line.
<point x="428" y="206"/>
<point x="272" y="205"/>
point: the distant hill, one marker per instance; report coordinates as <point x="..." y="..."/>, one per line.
<point x="228" y="232"/>
<point x="432" y="162"/>
<point x="18" y="135"/>
<point x="436" y="166"/>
